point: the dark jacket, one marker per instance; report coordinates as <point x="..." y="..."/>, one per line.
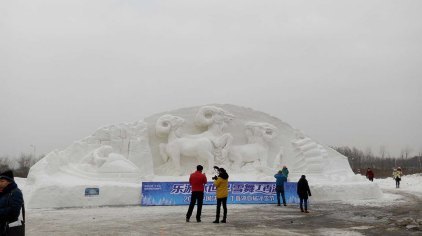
<point x="303" y="188"/>
<point x="197" y="180"/>
<point x="11" y="201"/>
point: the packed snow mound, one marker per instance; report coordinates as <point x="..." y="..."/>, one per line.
<point x="169" y="145"/>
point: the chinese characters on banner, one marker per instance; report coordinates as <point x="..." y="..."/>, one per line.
<point x="178" y="193"/>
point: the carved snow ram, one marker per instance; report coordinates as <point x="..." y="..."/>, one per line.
<point x="260" y="136"/>
<point x="202" y="146"/>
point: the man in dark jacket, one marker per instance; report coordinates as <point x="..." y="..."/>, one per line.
<point x="303" y="191"/>
<point x="197" y="180"/>
<point x="279" y="186"/>
<point x="11" y="200"/>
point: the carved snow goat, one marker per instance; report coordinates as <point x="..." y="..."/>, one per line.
<point x="259" y="137"/>
<point x="202" y="146"/>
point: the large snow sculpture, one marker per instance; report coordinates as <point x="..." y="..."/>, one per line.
<point x="259" y="136"/>
<point x="117" y="158"/>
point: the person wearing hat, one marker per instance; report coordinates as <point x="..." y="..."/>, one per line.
<point x="11" y="201"/>
<point x="197" y="181"/>
<point x="279" y="186"/>
<point x="222" y="184"/>
<point x="303" y="191"/>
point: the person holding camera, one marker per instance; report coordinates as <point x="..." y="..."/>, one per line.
<point x="197" y="180"/>
<point x="221" y="182"/>
<point x="279" y="186"/>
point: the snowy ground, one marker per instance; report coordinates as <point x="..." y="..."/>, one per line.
<point x="399" y="212"/>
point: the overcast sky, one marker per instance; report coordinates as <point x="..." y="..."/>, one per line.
<point x="344" y="72"/>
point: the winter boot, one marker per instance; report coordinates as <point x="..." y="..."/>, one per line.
<point x="216" y="221"/>
<point x="223" y="221"/>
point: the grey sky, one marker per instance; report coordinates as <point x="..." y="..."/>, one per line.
<point x="344" y="72"/>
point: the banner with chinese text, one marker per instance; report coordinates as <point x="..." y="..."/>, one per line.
<point x="178" y="193"/>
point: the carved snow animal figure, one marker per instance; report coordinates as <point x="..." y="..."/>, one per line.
<point x="259" y="137"/>
<point x="215" y="120"/>
<point x="190" y="146"/>
<point x="103" y="159"/>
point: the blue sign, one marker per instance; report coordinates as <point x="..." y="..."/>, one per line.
<point x="91" y="192"/>
<point x="179" y="193"/>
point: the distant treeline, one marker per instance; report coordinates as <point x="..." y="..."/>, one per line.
<point x="382" y="166"/>
<point x="20" y="165"/>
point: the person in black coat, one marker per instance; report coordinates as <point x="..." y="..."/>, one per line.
<point x="303" y="191"/>
<point x="11" y="200"/>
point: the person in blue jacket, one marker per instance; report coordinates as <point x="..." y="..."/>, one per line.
<point x="11" y="201"/>
<point x="279" y="187"/>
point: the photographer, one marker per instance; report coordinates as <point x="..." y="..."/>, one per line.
<point x="221" y="182"/>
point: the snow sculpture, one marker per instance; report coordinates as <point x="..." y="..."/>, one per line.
<point x="105" y="161"/>
<point x="259" y="136"/>
<point x="117" y="158"/>
<point x="215" y="120"/>
<point x="206" y="146"/>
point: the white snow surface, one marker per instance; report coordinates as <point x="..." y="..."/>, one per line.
<point x="409" y="183"/>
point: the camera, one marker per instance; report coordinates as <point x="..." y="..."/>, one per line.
<point x="215" y="177"/>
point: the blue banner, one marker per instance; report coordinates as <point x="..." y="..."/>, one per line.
<point x="179" y="193"/>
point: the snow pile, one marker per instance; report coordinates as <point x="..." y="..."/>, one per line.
<point x="251" y="145"/>
<point x="408" y="183"/>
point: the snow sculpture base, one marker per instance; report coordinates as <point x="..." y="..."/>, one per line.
<point x="68" y="191"/>
<point x="168" y="146"/>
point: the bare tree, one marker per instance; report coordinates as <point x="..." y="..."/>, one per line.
<point x="383" y="151"/>
<point x="405" y="152"/>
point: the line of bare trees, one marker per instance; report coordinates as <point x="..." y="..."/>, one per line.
<point x="382" y="164"/>
<point x="20" y="165"/>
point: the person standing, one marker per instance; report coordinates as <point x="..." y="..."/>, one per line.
<point x="397" y="174"/>
<point x="279" y="186"/>
<point x="197" y="181"/>
<point x="11" y="201"/>
<point x="285" y="172"/>
<point x="222" y="184"/>
<point x="370" y="174"/>
<point x="303" y="191"/>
